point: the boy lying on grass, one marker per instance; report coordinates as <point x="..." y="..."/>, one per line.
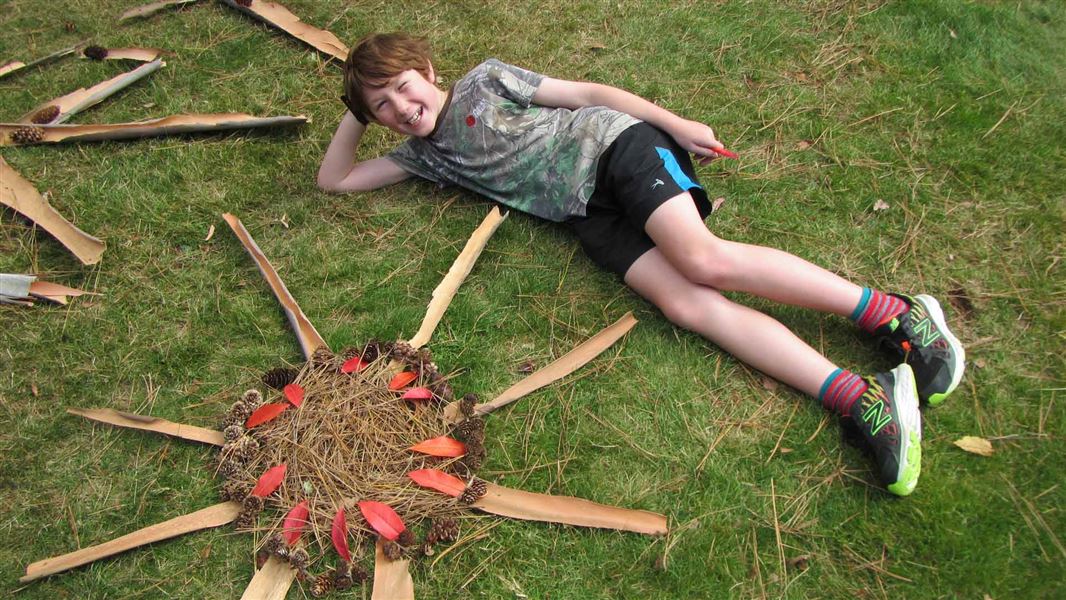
<point x="616" y="168"/>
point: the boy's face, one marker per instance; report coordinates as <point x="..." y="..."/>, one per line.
<point x="408" y="103"/>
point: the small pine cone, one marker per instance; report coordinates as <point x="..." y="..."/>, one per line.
<point x="358" y="574"/>
<point x="232" y="433"/>
<point x="245" y="448"/>
<point x="427" y="549"/>
<point x="95" y="52"/>
<point x="475" y="455"/>
<point x="407" y="538"/>
<point x="253" y="504"/>
<point x="274" y="543"/>
<point x="323" y="585"/>
<point x="279" y="377"/>
<point x="443" y="530"/>
<point x="372" y="351"/>
<point x="299" y="559"/>
<point x="229" y="468"/>
<point x="322" y="357"/>
<point x="234" y="491"/>
<point x="27" y="135"/>
<point x="46" y="115"/>
<point x="466" y="405"/>
<point x="252" y="398"/>
<point x="473" y="492"/>
<point x="392" y="550"/>
<point x="344" y="578"/>
<point x="245" y="520"/>
<point x="471" y="429"/>
<point x="241" y="410"/>
<point x="261" y="558"/>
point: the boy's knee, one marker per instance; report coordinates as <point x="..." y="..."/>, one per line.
<point x="690" y="310"/>
<point x="712" y="267"/>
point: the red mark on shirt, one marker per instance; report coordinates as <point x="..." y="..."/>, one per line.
<point x="470" y="120"/>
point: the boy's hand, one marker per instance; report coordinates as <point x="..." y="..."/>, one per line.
<point x="698" y="139"/>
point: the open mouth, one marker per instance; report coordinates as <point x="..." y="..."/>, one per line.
<point x="415" y="118"/>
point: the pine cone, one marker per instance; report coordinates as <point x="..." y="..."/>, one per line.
<point x="299" y="559"/>
<point x="229" y="468"/>
<point x="323" y="585"/>
<point x="392" y="550"/>
<point x="46" y="115"/>
<point x="232" y="433"/>
<point x="279" y="377"/>
<point x="473" y="492"/>
<point x="252" y="398"/>
<point x="475" y="455"/>
<point x="322" y="357"/>
<point x="373" y="350"/>
<point x="466" y="405"/>
<point x="234" y="490"/>
<point x="27" y="135"/>
<point x="443" y="530"/>
<point x="245" y="449"/>
<point x="253" y="504"/>
<point x="407" y="538"/>
<point x="346" y="575"/>
<point x="471" y="429"/>
<point x="241" y="410"/>
<point x="245" y="520"/>
<point x="95" y="52"/>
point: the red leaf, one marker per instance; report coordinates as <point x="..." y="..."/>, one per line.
<point x="419" y="393"/>
<point x="294" y="393"/>
<point x="269" y="481"/>
<point x="400" y="380"/>
<point x="727" y="153"/>
<point x="382" y="518"/>
<point x="354" y="365"/>
<point x="441" y="446"/>
<point x="438" y="480"/>
<point x="340" y="535"/>
<point x="294" y="523"/>
<point x="265" y="413"/>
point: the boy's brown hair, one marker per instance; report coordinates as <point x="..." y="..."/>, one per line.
<point x="376" y="59"/>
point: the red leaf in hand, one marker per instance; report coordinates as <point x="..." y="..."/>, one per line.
<point x="382" y="518"/>
<point x="265" y="413"/>
<point x="400" y="380"/>
<point x="294" y="523"/>
<point x="294" y="393"/>
<point x="726" y="153"/>
<point x="354" y="365"/>
<point x="340" y="535"/>
<point x="269" y="481"/>
<point x="441" y="446"/>
<point x="419" y="393"/>
<point x="439" y="480"/>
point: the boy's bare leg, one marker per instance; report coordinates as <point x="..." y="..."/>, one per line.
<point x="751" y="336"/>
<point x="702" y="257"/>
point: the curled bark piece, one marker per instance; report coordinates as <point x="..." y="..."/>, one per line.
<point x="306" y="333"/>
<point x="212" y="516"/>
<point x="518" y="504"/>
<point x="146" y="423"/>
<point x="176" y="124"/>
<point x="559" y="368"/>
<point x="55" y="292"/>
<point x="392" y="578"/>
<point x="83" y="98"/>
<point x="278" y="16"/>
<point x="138" y="54"/>
<point x="13" y="66"/>
<point x="272" y="582"/>
<point x="20" y="195"/>
<point x="150" y="9"/>
<point x="442" y="296"/>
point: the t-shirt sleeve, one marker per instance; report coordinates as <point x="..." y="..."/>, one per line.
<point x="410" y="160"/>
<point x="514" y="83"/>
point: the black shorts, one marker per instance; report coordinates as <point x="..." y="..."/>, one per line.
<point x="641" y="170"/>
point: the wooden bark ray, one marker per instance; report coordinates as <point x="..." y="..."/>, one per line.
<point x="272" y="582"/>
<point x="559" y="368"/>
<point x="150" y="9"/>
<point x="55" y="292"/>
<point x="306" y="333"/>
<point x="212" y="516"/>
<point x="392" y="578"/>
<point x="445" y="291"/>
<point x="138" y="54"/>
<point x="175" y="124"/>
<point x="83" y="98"/>
<point x="280" y="17"/>
<point x="518" y="504"/>
<point x="146" y="423"/>
<point x="17" y="65"/>
<point x="20" y="195"/>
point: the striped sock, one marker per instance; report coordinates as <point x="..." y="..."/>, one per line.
<point x="840" y="391"/>
<point x="876" y="308"/>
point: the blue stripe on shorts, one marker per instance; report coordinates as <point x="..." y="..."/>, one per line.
<point x="680" y="178"/>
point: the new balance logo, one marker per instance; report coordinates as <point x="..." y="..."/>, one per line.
<point x="876" y="412"/>
<point x="657" y="183"/>
<point x="926" y="331"/>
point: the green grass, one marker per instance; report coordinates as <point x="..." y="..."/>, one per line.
<point x="951" y="112"/>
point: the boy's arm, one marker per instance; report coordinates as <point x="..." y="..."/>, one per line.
<point x="693" y="136"/>
<point x="340" y="173"/>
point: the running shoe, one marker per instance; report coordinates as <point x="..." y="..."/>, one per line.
<point x="921" y="336"/>
<point x="888" y="418"/>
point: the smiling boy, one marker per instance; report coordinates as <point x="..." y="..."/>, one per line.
<point x="616" y="168"/>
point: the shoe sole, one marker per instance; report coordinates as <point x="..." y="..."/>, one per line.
<point x="937" y="313"/>
<point x="905" y="395"/>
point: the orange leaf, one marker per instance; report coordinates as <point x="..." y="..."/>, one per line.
<point x="265" y="413"/>
<point x="438" y="480"/>
<point x="269" y="481"/>
<point x="294" y="393"/>
<point x="354" y="365"/>
<point x="382" y="518"/>
<point x="294" y="523"/>
<point x="400" y="380"/>
<point x="441" y="446"/>
<point x="340" y="535"/>
<point x="419" y="393"/>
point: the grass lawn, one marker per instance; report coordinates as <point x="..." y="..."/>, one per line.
<point x="948" y="113"/>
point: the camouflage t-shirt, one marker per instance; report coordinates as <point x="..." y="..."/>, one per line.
<point x="492" y="140"/>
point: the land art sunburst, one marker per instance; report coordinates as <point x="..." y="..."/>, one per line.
<point x="365" y="452"/>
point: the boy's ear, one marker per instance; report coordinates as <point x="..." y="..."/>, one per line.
<point x="432" y="74"/>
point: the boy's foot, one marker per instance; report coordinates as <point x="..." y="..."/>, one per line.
<point x="887" y="415"/>
<point x="922" y="337"/>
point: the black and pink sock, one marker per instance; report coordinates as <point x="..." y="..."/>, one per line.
<point x="840" y="391"/>
<point x="876" y="308"/>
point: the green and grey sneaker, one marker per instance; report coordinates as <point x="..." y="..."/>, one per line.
<point x="922" y="337"/>
<point x="888" y="417"/>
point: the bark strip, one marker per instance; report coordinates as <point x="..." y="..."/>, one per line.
<point x="529" y="506"/>
<point x="172" y="125"/>
<point x="146" y="423"/>
<point x="392" y="578"/>
<point x="150" y="9"/>
<point x="272" y="582"/>
<point x="278" y="16"/>
<point x="81" y="99"/>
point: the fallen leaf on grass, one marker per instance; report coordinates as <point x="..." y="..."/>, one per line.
<point x="265" y="413"/>
<point x="803" y="145"/>
<point x="438" y="480"/>
<point x="975" y="445"/>
<point x="295" y="522"/>
<point x="210" y="233"/>
<point x="800" y="562"/>
<point x="442" y="446"/>
<point x="880" y="205"/>
<point x="718" y="202"/>
<point x="339" y="535"/>
<point x="769" y="384"/>
<point x="383" y="519"/>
